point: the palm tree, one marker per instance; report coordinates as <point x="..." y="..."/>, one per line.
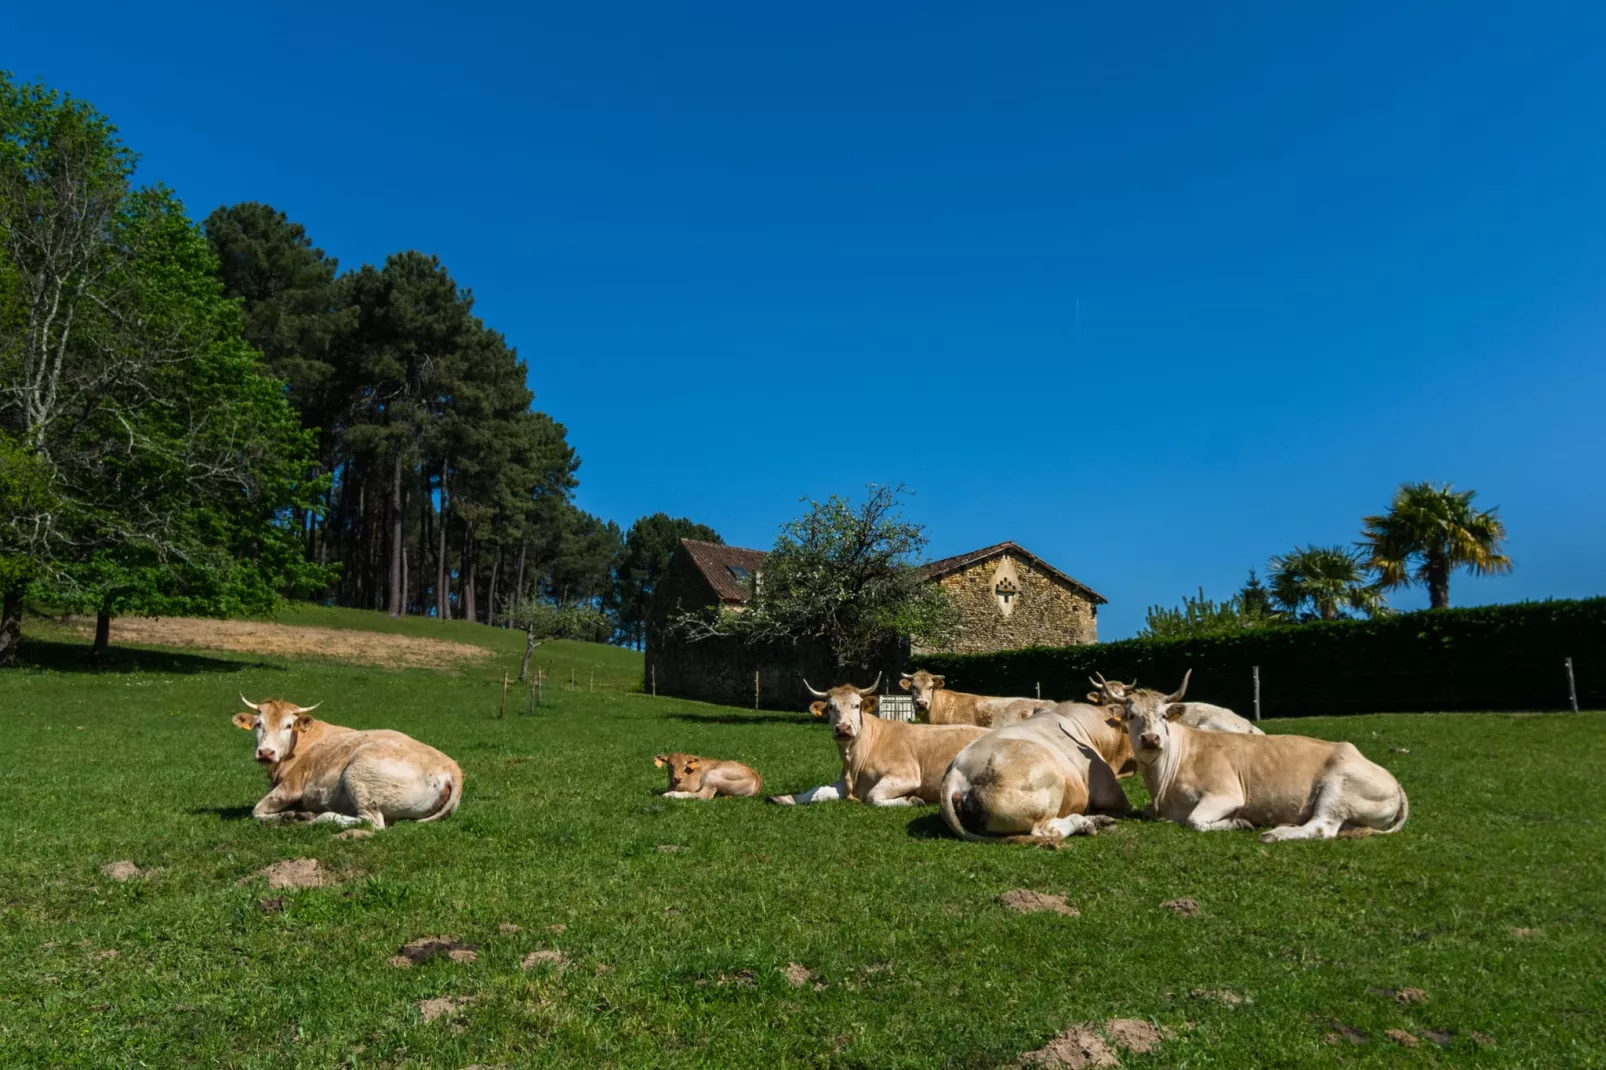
<point x="1437" y="530"/>
<point x="1329" y="579"/>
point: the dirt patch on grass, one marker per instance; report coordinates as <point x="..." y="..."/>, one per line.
<point x="1078" y="1048"/>
<point x="1224" y="996"/>
<point x="121" y="871"/>
<point x="1342" y="1032"/>
<point x="1524" y="934"/>
<point x="1026" y="902"/>
<point x="1133" y="1034"/>
<point x="1402" y="1038"/>
<point x="739" y="979"/>
<point x="288" y="640"/>
<point x="1186" y="907"/>
<point x="797" y="976"/>
<point x="421" y="950"/>
<point x="294" y="873"/>
<point x="106" y="955"/>
<point x="273" y="905"/>
<point x="442" y="1007"/>
<point x="1399" y="995"/>
<point x="507" y="928"/>
<point x="544" y="958"/>
<point x="355" y="834"/>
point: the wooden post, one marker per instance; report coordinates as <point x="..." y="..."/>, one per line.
<point x="529" y="703"/>
<point x="503" y="715"/>
<point x="755" y="688"/>
<point x="1257" y="692"/>
<point x="1039" y="689"/>
<point x="571" y="679"/>
<point x="540" y="686"/>
<point x="655" y="681"/>
<point x="593" y="683"/>
<point x="1572" y="685"/>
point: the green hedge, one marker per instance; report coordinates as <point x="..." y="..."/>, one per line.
<point x="1506" y="657"/>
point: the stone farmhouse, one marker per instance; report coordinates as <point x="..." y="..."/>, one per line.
<point x="1007" y="597"/>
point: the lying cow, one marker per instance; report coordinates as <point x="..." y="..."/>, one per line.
<point x="1200" y="715"/>
<point x="1051" y="776"/>
<point x="323" y="772"/>
<point x="884" y="763"/>
<point x="942" y="706"/>
<point x="1296" y="787"/>
<point x="694" y="777"/>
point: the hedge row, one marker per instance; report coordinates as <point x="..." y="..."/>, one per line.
<point x="1506" y="657"/>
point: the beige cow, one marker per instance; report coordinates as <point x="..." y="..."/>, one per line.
<point x="1200" y="715"/>
<point x="324" y="772"/>
<point x="1051" y="776"/>
<point x="942" y="706"/>
<point x="692" y="776"/>
<point x="884" y="763"/>
<point x="1295" y="787"/>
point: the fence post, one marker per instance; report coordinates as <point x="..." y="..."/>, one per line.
<point x="592" y="685"/>
<point x="1257" y="692"/>
<point x="1572" y="685"/>
<point x="755" y="689"/>
<point x="572" y="686"/>
<point x="502" y="716"/>
<point x="1039" y="689"/>
<point x="655" y="681"/>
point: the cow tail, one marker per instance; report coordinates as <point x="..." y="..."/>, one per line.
<point x="1399" y="815"/>
<point x="453" y="795"/>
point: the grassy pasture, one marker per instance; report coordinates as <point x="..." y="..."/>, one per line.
<point x="1492" y="900"/>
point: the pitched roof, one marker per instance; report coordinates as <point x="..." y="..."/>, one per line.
<point x="715" y="561"/>
<point x="953" y="564"/>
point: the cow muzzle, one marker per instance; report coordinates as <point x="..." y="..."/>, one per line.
<point x="1151" y="740"/>
<point x="842" y="731"/>
<point x="265" y="755"/>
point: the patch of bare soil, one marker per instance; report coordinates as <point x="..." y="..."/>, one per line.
<point x="1482" y="1040"/>
<point x="1344" y="1032"/>
<point x="1078" y="1048"/>
<point x="296" y="873"/>
<point x="442" y="1007"/>
<point x="1400" y="995"/>
<point x="544" y="958"/>
<point x="507" y="928"/>
<point x="1523" y="934"/>
<point x="272" y="905"/>
<point x="106" y="955"/>
<point x="1224" y="996"/>
<point x="739" y="979"/>
<point x="797" y="976"/>
<point x="121" y="871"/>
<point x="355" y="834"/>
<point x="1132" y="1034"/>
<point x="1402" y="1038"/>
<point x="557" y="927"/>
<point x="1186" y="907"/>
<point x="1026" y="902"/>
<point x="419" y="951"/>
<point x="1441" y="1037"/>
<point x="263" y="637"/>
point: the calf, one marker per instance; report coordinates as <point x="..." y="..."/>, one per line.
<point x="942" y="706"/>
<point x="884" y="763"/>
<point x="324" y="772"/>
<point x="693" y="777"/>
<point x="1039" y="780"/>
<point x="1296" y="787"/>
<point x="1201" y="715"/>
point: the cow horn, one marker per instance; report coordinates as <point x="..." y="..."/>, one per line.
<point x="907" y="675"/>
<point x="1176" y="696"/>
<point x="1097" y="680"/>
<point x="873" y="685"/>
<point x="816" y="694"/>
<point x="308" y="709"/>
<point x="249" y="703"/>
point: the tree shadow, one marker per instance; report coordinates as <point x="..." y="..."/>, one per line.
<point x="74" y="657"/>
<point x="930" y="826"/>
<point x="741" y="718"/>
<point x="223" y="813"/>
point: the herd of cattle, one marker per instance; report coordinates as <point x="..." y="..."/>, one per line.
<point x="1002" y="769"/>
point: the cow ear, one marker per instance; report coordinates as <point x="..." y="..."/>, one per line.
<point x="904" y="684"/>
<point x="870" y="704"/>
<point x="691" y="763"/>
<point x="1175" y="710"/>
<point x="659" y="760"/>
<point x="817" y="708"/>
<point x="1115" y="715"/>
<point x="939" y="681"/>
<point x="1095" y="698"/>
<point x="302" y="724"/>
<point x="246" y="721"/>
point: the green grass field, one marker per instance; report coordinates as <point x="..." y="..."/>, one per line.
<point x="1491" y="900"/>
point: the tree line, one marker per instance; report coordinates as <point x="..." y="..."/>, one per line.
<point x="1429" y="532"/>
<point x="208" y="419"/>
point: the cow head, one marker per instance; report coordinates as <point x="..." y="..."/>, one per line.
<point x="685" y="770"/>
<point x="1109" y="692"/>
<point x="845" y="707"/>
<point x="923" y="686"/>
<point x="1148" y="716"/>
<point x="277" y="725"/>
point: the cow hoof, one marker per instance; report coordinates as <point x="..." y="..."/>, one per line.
<point x="1102" y="821"/>
<point x="779" y="800"/>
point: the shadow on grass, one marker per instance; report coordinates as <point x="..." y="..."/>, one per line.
<point x="74" y="657"/>
<point x="740" y="718"/>
<point x="930" y="826"/>
<point x="223" y="813"/>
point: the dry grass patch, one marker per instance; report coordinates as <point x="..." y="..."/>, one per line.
<point x="1026" y="902"/>
<point x="421" y="950"/>
<point x="288" y="640"/>
<point x="121" y="871"/>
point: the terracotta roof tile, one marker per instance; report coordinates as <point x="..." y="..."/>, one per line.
<point x="715" y="561"/>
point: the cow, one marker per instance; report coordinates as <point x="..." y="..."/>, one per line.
<point x="325" y="772"/>
<point x="1050" y="776"/>
<point x="1201" y="715"/>
<point x="942" y="706"/>
<point x="695" y="777"/>
<point x="1295" y="787"/>
<point x="884" y="763"/>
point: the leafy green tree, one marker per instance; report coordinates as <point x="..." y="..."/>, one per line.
<point x="1322" y="582"/>
<point x="25" y="501"/>
<point x="1254" y="599"/>
<point x="1437" y="530"/>
<point x="648" y="546"/>
<point x="1201" y="616"/>
<point x="844" y="573"/>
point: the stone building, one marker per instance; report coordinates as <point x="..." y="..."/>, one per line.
<point x="1007" y="598"/>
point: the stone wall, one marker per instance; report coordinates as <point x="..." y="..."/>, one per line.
<point x="1036" y="609"/>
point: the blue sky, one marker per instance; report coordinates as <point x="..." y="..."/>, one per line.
<point x="1155" y="290"/>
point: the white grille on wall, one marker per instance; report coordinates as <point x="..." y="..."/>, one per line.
<point x="896" y="708"/>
